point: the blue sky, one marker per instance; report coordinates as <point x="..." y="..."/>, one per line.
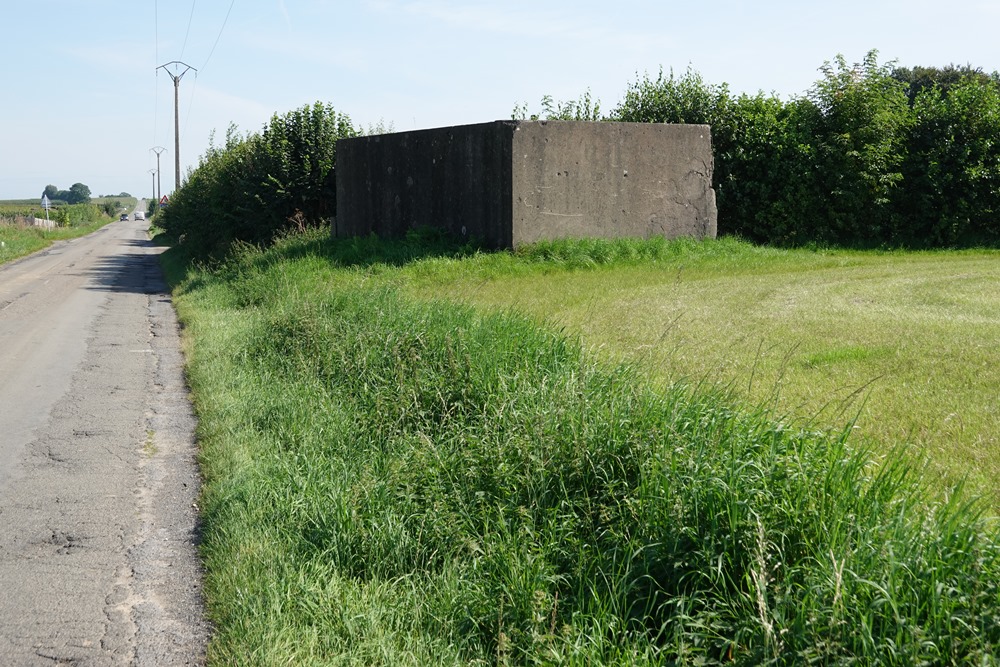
<point x="82" y="100"/>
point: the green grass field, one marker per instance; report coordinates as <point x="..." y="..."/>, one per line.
<point x="396" y="478"/>
<point x="17" y="241"/>
<point x="905" y="342"/>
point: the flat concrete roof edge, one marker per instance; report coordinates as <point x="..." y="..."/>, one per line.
<point x="515" y="123"/>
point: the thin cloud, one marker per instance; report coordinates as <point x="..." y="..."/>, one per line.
<point x="284" y="12"/>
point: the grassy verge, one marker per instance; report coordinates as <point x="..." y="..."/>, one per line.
<point x="902" y="341"/>
<point x="126" y="203"/>
<point x="390" y="481"/>
<point x="17" y="241"/>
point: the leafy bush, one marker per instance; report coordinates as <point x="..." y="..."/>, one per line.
<point x="584" y="108"/>
<point x="111" y="207"/>
<point x="257" y="186"/>
<point x="951" y="193"/>
<point x="859" y="147"/>
<point x="9" y="212"/>
<point x="684" y="99"/>
<point x="870" y="156"/>
<point x="79" y="214"/>
<point x="63" y="214"/>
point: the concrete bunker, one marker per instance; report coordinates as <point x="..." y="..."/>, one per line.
<point x="506" y="183"/>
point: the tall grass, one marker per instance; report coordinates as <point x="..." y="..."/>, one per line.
<point x="400" y="482"/>
<point x="899" y="339"/>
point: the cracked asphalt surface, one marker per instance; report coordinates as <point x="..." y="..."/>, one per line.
<point x="98" y="477"/>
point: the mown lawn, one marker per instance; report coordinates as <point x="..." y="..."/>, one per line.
<point x="393" y="478"/>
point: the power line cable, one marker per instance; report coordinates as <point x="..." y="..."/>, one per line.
<point x="194" y="87"/>
<point x="219" y="36"/>
<point x="156" y="51"/>
<point x="188" y="32"/>
<point x="187" y="117"/>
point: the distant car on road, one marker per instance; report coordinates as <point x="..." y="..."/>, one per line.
<point x="123" y="217"/>
<point x="139" y="215"/>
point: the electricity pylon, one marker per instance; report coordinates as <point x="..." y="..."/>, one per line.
<point x="154" y="173"/>
<point x="158" y="149"/>
<point x="177" y="114"/>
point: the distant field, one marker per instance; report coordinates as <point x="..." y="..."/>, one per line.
<point x="17" y="241"/>
<point x="127" y="203"/>
<point x="11" y="209"/>
<point x="7" y="205"/>
<point x="80" y="218"/>
<point x="907" y="342"/>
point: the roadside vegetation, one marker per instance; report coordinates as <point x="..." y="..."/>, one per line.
<point x="257" y="186"/>
<point x="874" y="155"/>
<point x="74" y="212"/>
<point x="394" y="480"/>
<point x="18" y="239"/>
<point x="612" y="452"/>
<point x="897" y="343"/>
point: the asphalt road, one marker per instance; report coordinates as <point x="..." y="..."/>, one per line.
<point x="98" y="479"/>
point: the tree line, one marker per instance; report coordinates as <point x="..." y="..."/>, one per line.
<point x="78" y="193"/>
<point x="872" y="155"/>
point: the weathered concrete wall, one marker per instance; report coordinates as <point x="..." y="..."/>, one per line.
<point x="511" y="182"/>
<point x="37" y="222"/>
<point x="456" y="178"/>
<point x="611" y="180"/>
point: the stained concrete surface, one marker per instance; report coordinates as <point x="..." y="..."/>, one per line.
<point x="507" y="183"/>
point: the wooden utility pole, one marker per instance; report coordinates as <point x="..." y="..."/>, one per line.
<point x="158" y="150"/>
<point x="177" y="114"/>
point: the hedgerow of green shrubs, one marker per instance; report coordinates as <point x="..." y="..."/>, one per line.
<point x="64" y="215"/>
<point x="259" y="185"/>
<point x="871" y="156"/>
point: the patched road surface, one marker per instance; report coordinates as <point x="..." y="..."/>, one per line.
<point x="98" y="479"/>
